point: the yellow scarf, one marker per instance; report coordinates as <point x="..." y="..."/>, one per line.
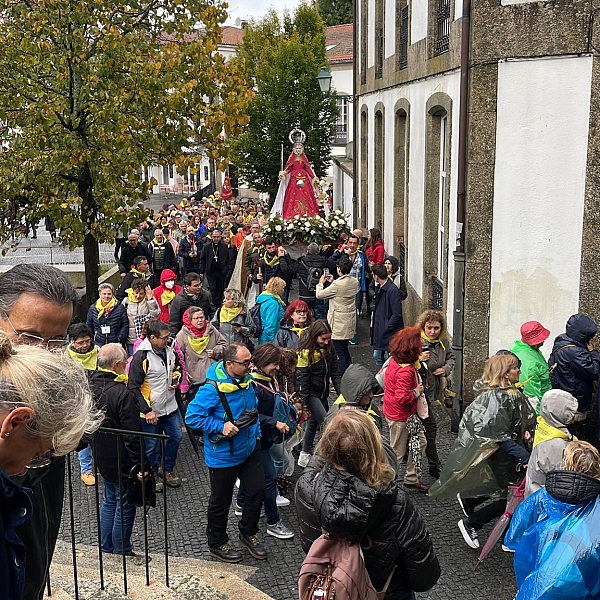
<point x="303" y="356"/>
<point x="228" y="314"/>
<point x="271" y="262"/>
<point x="298" y="330"/>
<point x="267" y="293"/>
<point x="198" y="344"/>
<point x="369" y="412"/>
<point x="545" y="432"/>
<point x="225" y="386"/>
<point x="416" y="365"/>
<point x="131" y="296"/>
<point x="88" y="361"/>
<point x="166" y="297"/>
<point x="428" y="339"/>
<point x="155" y="241"/>
<point x="109" y="306"/>
<point x="120" y="378"/>
<point x="134" y="270"/>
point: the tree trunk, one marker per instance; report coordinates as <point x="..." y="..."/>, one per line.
<point x="91" y="254"/>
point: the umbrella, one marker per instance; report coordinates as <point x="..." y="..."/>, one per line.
<point x="515" y="497"/>
<point x="191" y="433"/>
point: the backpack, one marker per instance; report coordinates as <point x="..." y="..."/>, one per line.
<point x="334" y="569"/>
<point x="254" y="313"/>
<point x="284" y="411"/>
<point x="312" y="277"/>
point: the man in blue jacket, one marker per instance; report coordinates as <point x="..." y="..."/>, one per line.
<point x="230" y="452"/>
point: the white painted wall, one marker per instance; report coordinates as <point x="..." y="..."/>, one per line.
<point x="389" y="20"/>
<point x="541" y="148"/>
<point x="371" y="35"/>
<point x="418" y="20"/>
<point x="417" y="94"/>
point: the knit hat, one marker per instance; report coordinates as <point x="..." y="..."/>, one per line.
<point x="533" y="333"/>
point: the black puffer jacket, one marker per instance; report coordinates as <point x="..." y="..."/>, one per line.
<point x="286" y="338"/>
<point x="574" y="368"/>
<point x="313" y="380"/>
<point x="572" y="487"/>
<point x="300" y="267"/>
<point x="343" y="505"/>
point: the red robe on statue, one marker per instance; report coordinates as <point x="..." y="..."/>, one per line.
<point x="299" y="198"/>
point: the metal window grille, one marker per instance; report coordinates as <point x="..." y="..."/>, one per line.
<point x="380" y="42"/>
<point x="437" y="294"/>
<point x="404" y="38"/>
<point x="402" y="259"/>
<point x="442" y="43"/>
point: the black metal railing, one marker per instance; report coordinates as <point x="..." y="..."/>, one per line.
<point x="437" y="294"/>
<point x="403" y="46"/>
<point x="119" y="433"/>
<point x="442" y="42"/>
<point x="341" y="135"/>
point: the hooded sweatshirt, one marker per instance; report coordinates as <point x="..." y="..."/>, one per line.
<point x="557" y="410"/>
<point x="164" y="296"/>
<point x="534" y="372"/>
<point x="573" y="367"/>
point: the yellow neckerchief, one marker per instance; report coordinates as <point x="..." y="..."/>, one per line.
<point x="166" y="297"/>
<point x="416" y="365"/>
<point x="122" y="378"/>
<point x="134" y="270"/>
<point x="198" y="344"/>
<point x="254" y="248"/>
<point x="109" y="306"/>
<point x="521" y="384"/>
<point x="545" y="432"/>
<point x="88" y="361"/>
<point x="436" y="341"/>
<point x="130" y="295"/>
<point x="261" y="376"/>
<point x="155" y="241"/>
<point x="228" y="387"/>
<point x="298" y="330"/>
<point x="272" y="262"/>
<point x="268" y="293"/>
<point x="369" y="412"/>
<point x="226" y="315"/>
<point x="303" y="356"/>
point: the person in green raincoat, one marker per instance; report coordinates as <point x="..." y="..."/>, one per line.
<point x="489" y="453"/>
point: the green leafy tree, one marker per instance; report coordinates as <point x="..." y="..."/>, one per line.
<point x="91" y="91"/>
<point x="282" y="57"/>
<point x="335" y="12"/>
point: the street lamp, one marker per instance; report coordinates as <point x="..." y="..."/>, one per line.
<point x="324" y="79"/>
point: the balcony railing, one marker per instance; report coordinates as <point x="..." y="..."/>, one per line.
<point x="442" y="42"/>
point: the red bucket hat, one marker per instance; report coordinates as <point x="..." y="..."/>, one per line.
<point x="534" y="333"/>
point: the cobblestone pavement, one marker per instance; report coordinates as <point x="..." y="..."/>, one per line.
<point x="186" y="511"/>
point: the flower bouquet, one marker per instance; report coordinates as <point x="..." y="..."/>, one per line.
<point x="304" y="229"/>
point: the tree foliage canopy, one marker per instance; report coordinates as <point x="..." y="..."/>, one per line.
<point x="92" y="90"/>
<point x="335" y="12"/>
<point x="282" y="58"/>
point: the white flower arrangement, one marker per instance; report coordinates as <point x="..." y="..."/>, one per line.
<point x="307" y="229"/>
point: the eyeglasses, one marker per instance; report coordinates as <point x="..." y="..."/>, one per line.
<point x="35" y="340"/>
<point x="245" y="363"/>
<point x="164" y="337"/>
<point x="85" y="342"/>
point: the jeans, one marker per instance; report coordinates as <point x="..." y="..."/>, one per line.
<point x="343" y="354"/>
<point x="251" y="476"/>
<point x="317" y="306"/>
<point x="318" y="410"/>
<point x="380" y="357"/>
<point x="110" y="519"/>
<point x="85" y="460"/>
<point x="358" y="302"/>
<point x="270" y="488"/>
<point x="129" y="349"/>
<point x="169" y="425"/>
<point x="277" y="452"/>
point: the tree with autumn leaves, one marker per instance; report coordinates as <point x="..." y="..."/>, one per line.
<point x="92" y="90"/>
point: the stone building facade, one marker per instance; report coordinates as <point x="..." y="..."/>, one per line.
<point x="532" y="163"/>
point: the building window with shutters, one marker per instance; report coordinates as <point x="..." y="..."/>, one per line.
<point x="403" y="39"/>
<point x="364" y="27"/>
<point x="379" y="38"/>
<point x="442" y="42"/>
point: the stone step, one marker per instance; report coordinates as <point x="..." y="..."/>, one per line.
<point x="189" y="579"/>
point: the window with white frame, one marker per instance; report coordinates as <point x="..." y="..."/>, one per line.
<point x="341" y="125"/>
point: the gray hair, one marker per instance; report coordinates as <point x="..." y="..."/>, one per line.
<point x="109" y="354"/>
<point x="55" y="387"/>
<point x="235" y="295"/>
<point x="313" y="248"/>
<point x="106" y="286"/>
<point x="42" y="280"/>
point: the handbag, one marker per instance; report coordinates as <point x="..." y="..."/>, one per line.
<point x="422" y="407"/>
<point x="141" y="491"/>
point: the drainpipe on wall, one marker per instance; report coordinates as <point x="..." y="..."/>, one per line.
<point x="354" y="114"/>
<point x="459" y="254"/>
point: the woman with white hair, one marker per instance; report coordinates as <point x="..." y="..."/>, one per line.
<point x="45" y="409"/>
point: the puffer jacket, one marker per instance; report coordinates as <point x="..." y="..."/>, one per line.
<point x="300" y="267"/>
<point x="139" y="310"/>
<point x="555" y="534"/>
<point x="116" y="319"/>
<point x="228" y="331"/>
<point x="574" y="367"/>
<point x="198" y="364"/>
<point x="343" y="505"/>
<point x="557" y="410"/>
<point x="286" y="338"/>
<point x="205" y="412"/>
<point x="313" y="380"/>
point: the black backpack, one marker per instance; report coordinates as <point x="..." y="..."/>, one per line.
<point x="254" y="313"/>
<point x="312" y="277"/>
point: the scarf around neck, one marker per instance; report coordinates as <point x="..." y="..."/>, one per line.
<point x="436" y="341"/>
<point x="271" y="262"/>
<point x="190" y="295"/>
<point x="166" y="296"/>
<point x="298" y="330"/>
<point x="157" y="243"/>
<point x="131" y="296"/>
<point x="88" y="360"/>
<point x="142" y="275"/>
<point x="102" y="309"/>
<point x="197" y="332"/>
<point x="226" y="315"/>
<point x="122" y="378"/>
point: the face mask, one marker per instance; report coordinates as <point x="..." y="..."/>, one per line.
<point x="169" y="285"/>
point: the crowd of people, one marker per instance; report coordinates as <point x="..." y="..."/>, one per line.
<point x="204" y="326"/>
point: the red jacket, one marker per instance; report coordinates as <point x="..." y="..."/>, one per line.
<point x="399" y="401"/>
<point x="157" y="293"/>
<point x="376" y="253"/>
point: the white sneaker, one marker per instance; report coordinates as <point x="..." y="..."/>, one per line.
<point x="507" y="549"/>
<point x="469" y="535"/>
<point x="303" y="459"/>
<point x="282" y="501"/>
<point x="237" y="483"/>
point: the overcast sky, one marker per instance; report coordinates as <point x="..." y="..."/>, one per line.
<point x="246" y="9"/>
